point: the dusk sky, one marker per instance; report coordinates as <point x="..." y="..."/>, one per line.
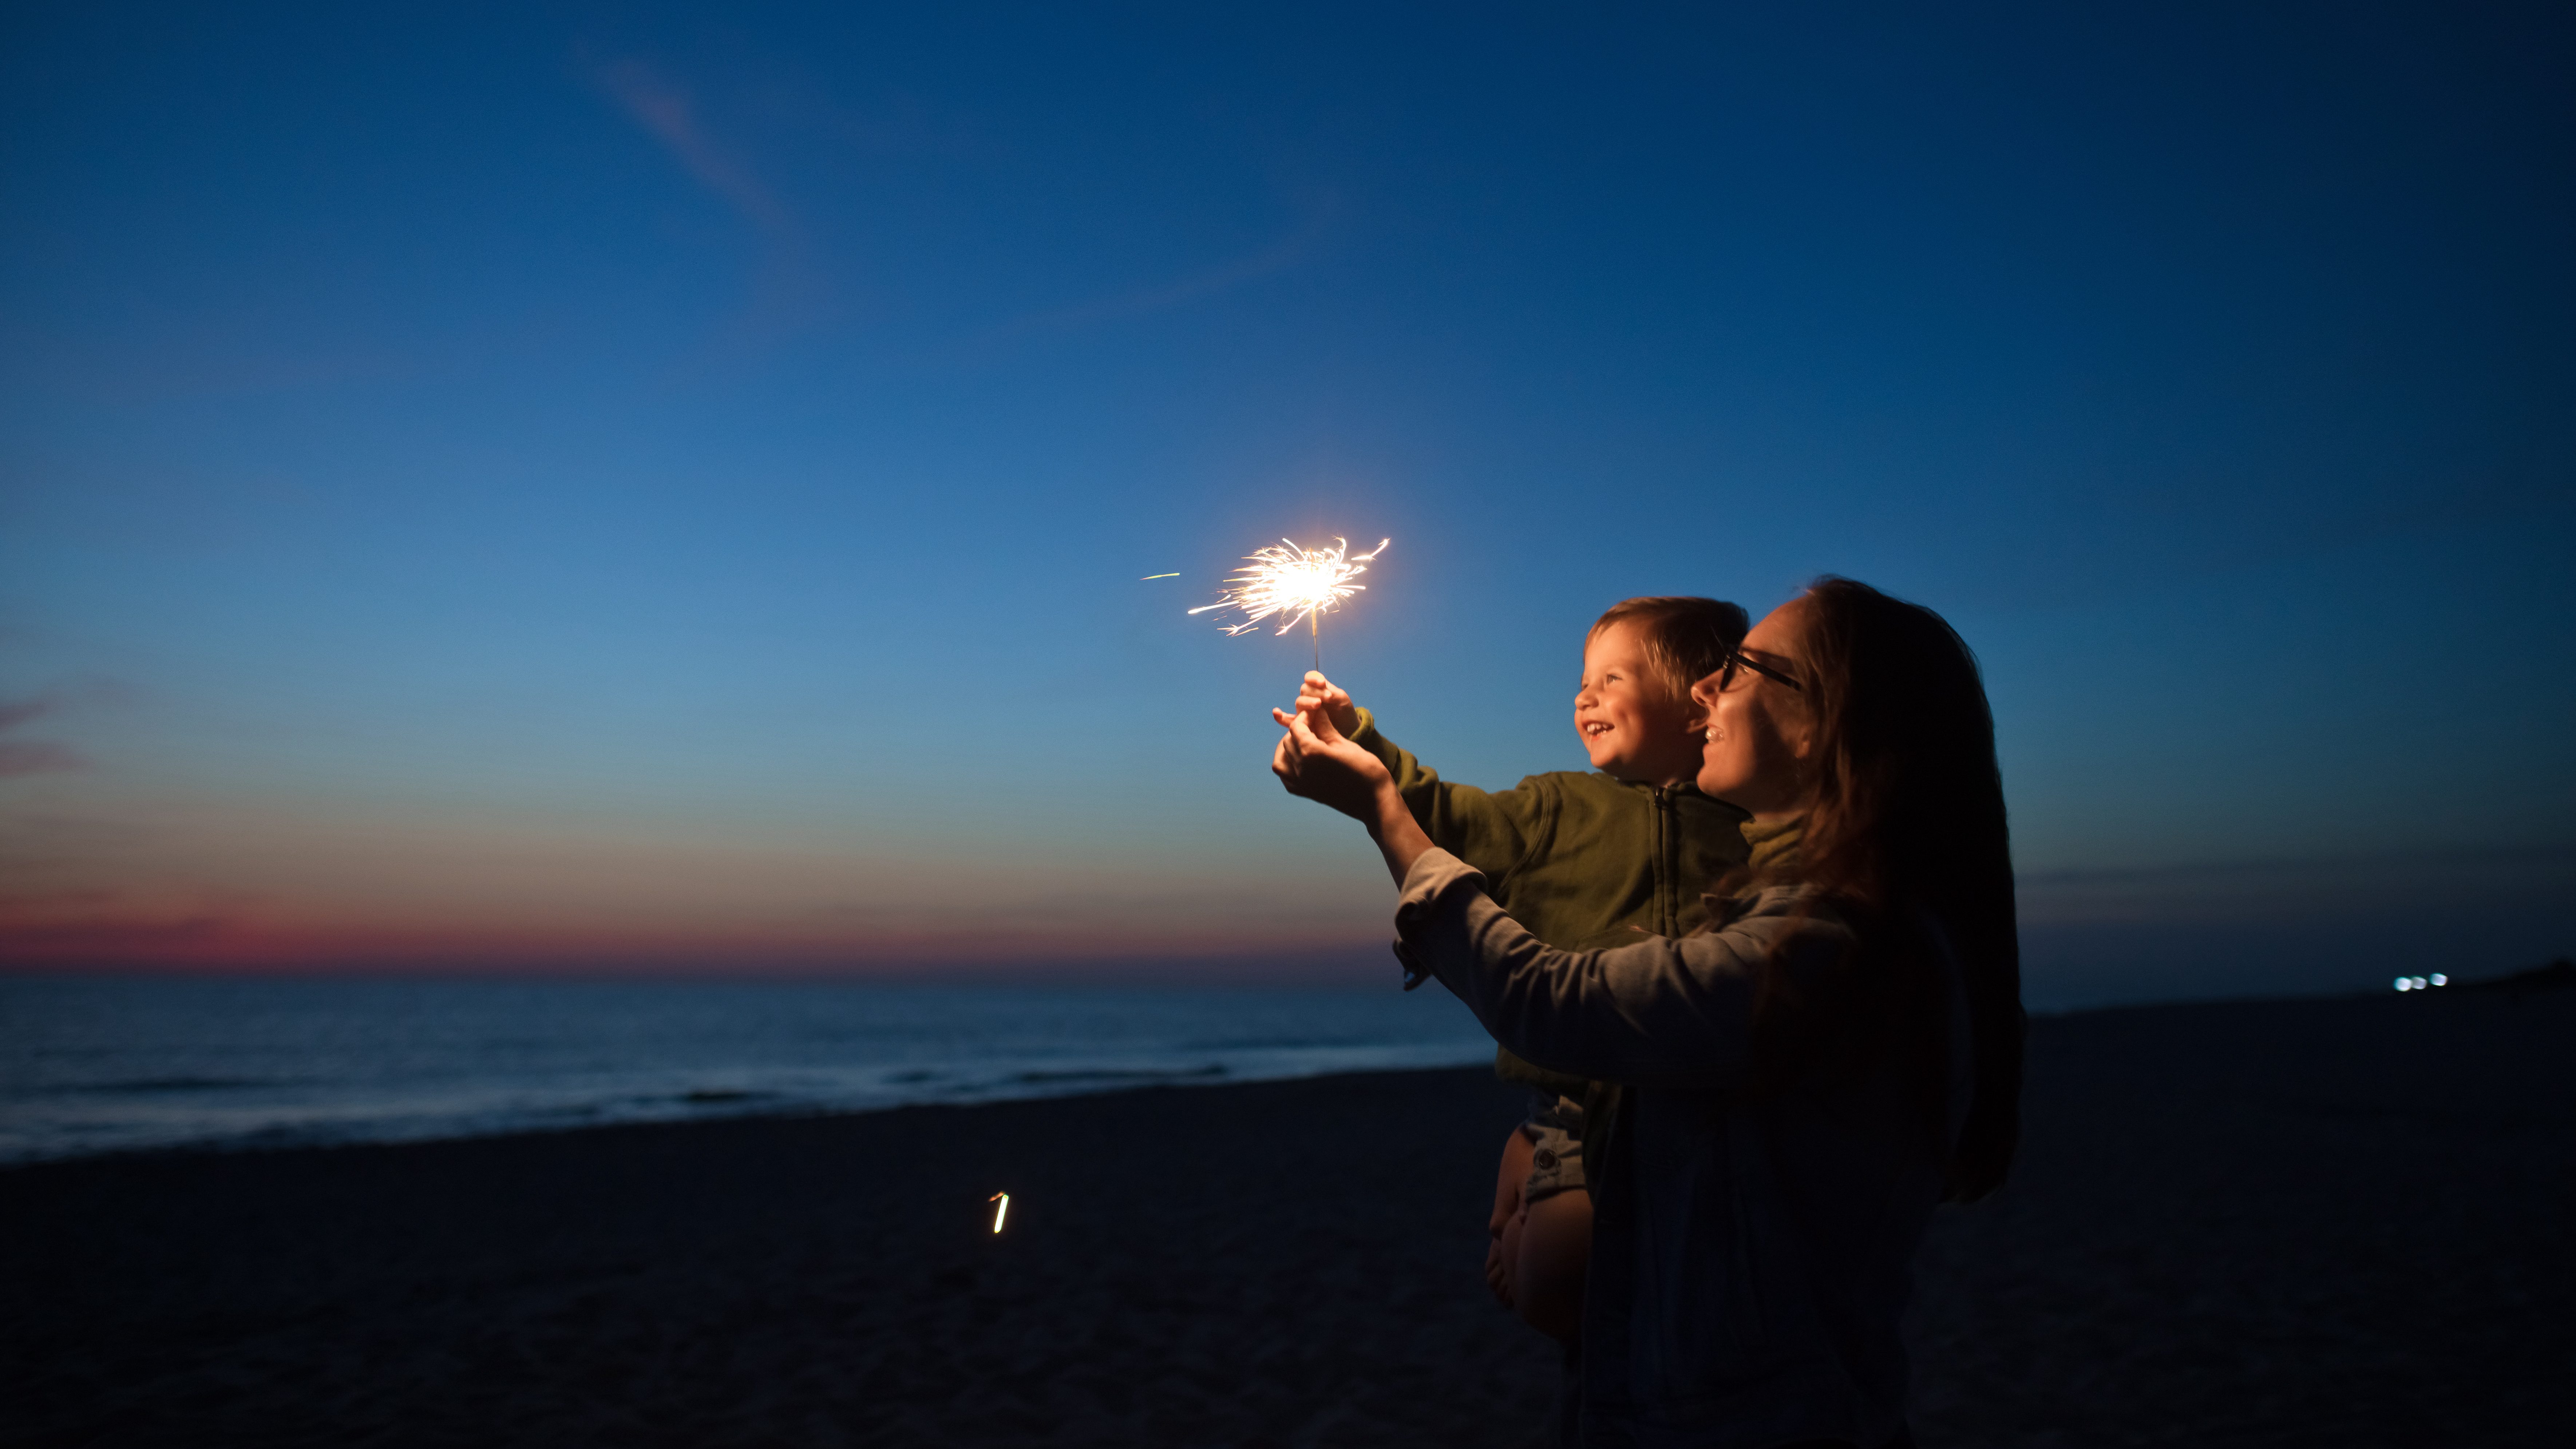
<point x="538" y="488"/>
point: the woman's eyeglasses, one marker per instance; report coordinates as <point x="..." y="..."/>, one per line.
<point x="1736" y="659"/>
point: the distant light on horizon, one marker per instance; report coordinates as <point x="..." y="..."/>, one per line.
<point x="2422" y="983"/>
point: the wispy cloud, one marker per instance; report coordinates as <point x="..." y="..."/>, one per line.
<point x="37" y="757"/>
<point x="791" y="291"/>
<point x="1180" y="291"/>
<point x="2317" y="887"/>
<point x="668" y="114"/>
<point x="32" y="757"/>
<point x="42" y="933"/>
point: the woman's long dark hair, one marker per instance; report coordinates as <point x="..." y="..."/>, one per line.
<point x="1907" y="818"/>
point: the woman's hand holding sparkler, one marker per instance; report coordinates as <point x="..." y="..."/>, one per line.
<point x="1317" y="761"/>
<point x="1335" y="700"/>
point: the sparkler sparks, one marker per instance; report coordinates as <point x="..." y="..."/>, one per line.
<point x="1004" y="1199"/>
<point x="1293" y="582"/>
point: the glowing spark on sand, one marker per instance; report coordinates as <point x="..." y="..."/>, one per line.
<point x="1294" y="583"/>
<point x="1004" y="1199"/>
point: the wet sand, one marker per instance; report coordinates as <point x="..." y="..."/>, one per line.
<point x="2311" y="1223"/>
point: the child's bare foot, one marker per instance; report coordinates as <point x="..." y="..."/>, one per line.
<point x="1555" y="1250"/>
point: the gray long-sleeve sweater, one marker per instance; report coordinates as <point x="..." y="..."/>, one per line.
<point x="1582" y="859"/>
<point x="1752" y="1253"/>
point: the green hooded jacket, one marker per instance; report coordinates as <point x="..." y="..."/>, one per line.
<point x="1582" y="860"/>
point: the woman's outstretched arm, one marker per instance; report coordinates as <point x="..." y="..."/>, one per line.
<point x="1673" y="1012"/>
<point x="1659" y="1011"/>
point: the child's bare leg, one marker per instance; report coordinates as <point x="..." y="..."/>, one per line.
<point x="1502" y="1255"/>
<point x="1555" y="1251"/>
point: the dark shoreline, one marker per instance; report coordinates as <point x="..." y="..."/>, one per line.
<point x="2336" y="1221"/>
<point x="2542" y="981"/>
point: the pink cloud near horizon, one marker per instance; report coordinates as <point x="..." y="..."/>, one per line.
<point x="235" y="885"/>
<point x="33" y="757"/>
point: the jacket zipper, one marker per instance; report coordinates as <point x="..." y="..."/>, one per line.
<point x="1667" y="919"/>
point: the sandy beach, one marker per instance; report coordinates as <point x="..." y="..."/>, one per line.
<point x="2301" y="1223"/>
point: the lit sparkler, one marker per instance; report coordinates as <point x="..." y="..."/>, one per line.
<point x="1293" y="583"/>
<point x="1004" y="1199"/>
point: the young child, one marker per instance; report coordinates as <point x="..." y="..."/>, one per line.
<point x="1583" y="861"/>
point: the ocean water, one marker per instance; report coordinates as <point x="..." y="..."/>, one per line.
<point x="93" y="1065"/>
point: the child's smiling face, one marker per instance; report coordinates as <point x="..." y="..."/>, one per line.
<point x="1632" y="726"/>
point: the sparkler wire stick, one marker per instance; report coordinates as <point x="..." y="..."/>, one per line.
<point x="1294" y="582"/>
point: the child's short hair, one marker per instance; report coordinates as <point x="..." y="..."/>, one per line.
<point x="1686" y="638"/>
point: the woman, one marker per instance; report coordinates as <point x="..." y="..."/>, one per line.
<point x="1808" y="1077"/>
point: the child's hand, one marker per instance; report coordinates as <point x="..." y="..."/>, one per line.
<point x="1318" y="692"/>
<point x="1315" y="761"/>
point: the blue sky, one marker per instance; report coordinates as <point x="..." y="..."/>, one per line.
<point x="667" y="489"/>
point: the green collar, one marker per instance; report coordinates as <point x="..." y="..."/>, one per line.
<point x="1775" y="848"/>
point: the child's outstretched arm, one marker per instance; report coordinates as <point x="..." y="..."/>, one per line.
<point x="1494" y="831"/>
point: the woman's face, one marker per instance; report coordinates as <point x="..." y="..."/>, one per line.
<point x="1754" y="755"/>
